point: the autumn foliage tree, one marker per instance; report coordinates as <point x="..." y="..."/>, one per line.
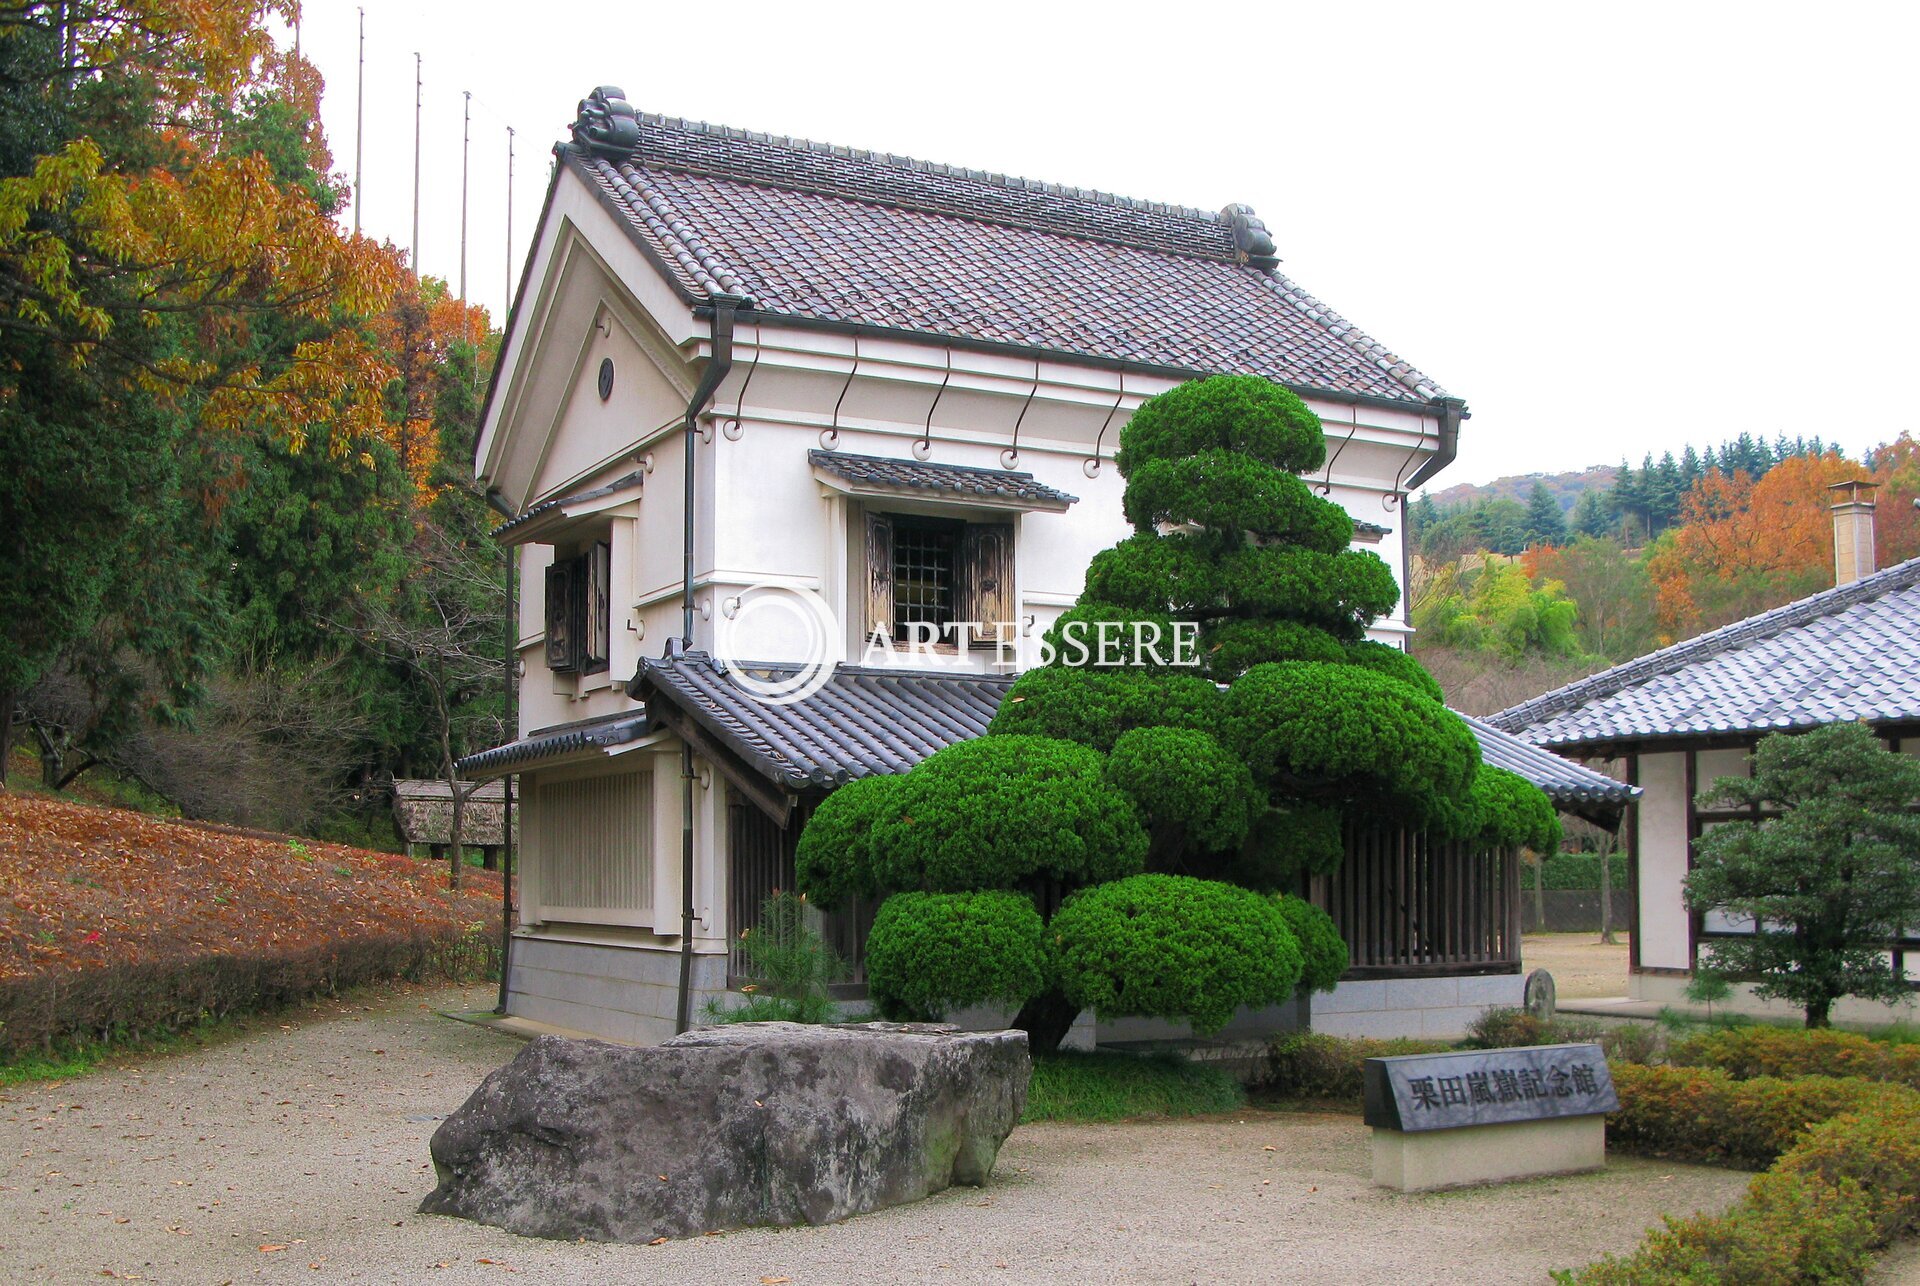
<point x="166" y="293"/>
<point x="1743" y="546"/>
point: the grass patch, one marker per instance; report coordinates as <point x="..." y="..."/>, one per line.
<point x="1114" y="1087"/>
<point x="77" y="1058"/>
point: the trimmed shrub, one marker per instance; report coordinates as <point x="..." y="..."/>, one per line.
<point x="1510" y="812"/>
<point x="1701" y="1114"/>
<point x="1314" y="1066"/>
<point x="1847" y="1181"/>
<point x="1231" y="648"/>
<point x="1760" y="1050"/>
<point x="930" y="953"/>
<point x="1170" y="946"/>
<point x="1363" y="734"/>
<point x="1879" y="1150"/>
<point x="1132" y="641"/>
<point x="1321" y="946"/>
<point x="63" y="1008"/>
<point x="1573" y="871"/>
<point x="1241" y="413"/>
<point x="1233" y="493"/>
<point x="833" y="859"/>
<point x="1395" y="664"/>
<point x="996" y="811"/>
<point x="1094" y="707"/>
<point x="1203" y="575"/>
<point x="1287" y="843"/>
<point x="1184" y="780"/>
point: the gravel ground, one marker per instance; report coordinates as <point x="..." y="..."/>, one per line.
<point x="1582" y="966"/>
<point x="299" y="1151"/>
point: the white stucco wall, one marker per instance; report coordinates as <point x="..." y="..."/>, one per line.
<point x="1662" y="839"/>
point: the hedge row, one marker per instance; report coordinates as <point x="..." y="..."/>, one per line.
<point x="1846" y="1180"/>
<point x="1760" y="1050"/>
<point x="1574" y="871"/>
<point x="1308" y="1065"/>
<point x="64" y="1007"/>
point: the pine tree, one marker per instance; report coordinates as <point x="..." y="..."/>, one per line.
<point x="1546" y="525"/>
<point x="1126" y="808"/>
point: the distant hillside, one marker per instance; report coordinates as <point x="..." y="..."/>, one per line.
<point x="1565" y="487"/>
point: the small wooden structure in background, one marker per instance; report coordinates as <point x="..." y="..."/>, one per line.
<point x="423" y="814"/>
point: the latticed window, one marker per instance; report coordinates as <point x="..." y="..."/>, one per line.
<point x="934" y="571"/>
<point x="925" y="558"/>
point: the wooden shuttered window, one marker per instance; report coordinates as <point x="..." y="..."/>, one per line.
<point x="921" y="569"/>
<point x="580" y="611"/>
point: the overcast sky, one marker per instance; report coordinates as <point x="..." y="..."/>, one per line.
<point x="1613" y="230"/>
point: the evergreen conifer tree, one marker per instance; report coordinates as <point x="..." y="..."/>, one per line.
<point x="1124" y="837"/>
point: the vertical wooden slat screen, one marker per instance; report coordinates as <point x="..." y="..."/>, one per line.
<point x="1407" y="900"/>
<point x="761" y="860"/>
<point x="596" y="846"/>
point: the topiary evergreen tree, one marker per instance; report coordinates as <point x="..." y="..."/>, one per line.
<point x="1155" y="800"/>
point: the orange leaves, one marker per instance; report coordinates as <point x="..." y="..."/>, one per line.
<point x="90" y="887"/>
<point x="1743" y="546"/>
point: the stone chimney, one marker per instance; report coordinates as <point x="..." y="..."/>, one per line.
<point x="1853" y="555"/>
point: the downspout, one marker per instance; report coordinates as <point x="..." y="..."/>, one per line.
<point x="1452" y="411"/>
<point x="721" y="361"/>
<point x="509" y="720"/>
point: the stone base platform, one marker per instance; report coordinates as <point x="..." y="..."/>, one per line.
<point x="1488" y="1153"/>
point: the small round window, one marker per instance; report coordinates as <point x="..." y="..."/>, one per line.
<point x="606" y="378"/>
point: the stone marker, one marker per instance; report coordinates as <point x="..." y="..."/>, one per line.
<point x="728" y="1127"/>
<point x="1487" y="1115"/>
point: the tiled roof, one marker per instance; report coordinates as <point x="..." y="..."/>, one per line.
<point x="943" y="479"/>
<point x="866" y="722"/>
<point x="1846" y="653"/>
<point x="1572" y="787"/>
<point x="835" y="235"/>
<point x="862" y="723"/>
<point x="1371" y="532"/>
<point x="521" y="519"/>
<point x="602" y="733"/>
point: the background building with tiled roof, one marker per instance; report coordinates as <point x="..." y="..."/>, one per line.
<point x="1677" y="719"/>
<point x="902" y="386"/>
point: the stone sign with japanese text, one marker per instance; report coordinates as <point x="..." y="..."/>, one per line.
<point x="1419" y="1092"/>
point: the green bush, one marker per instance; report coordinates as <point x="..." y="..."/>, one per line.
<point x="1395" y="664"/>
<point x="1170" y="946"/>
<point x="1321" y="946"/>
<point x="1183" y="780"/>
<point x="1093" y="708"/>
<point x="1234" y="493"/>
<point x="1309" y="1065"/>
<point x="1846" y="1180"/>
<point x="1366" y="735"/>
<point x="833" y="859"/>
<point x="1240" y="413"/>
<point x="1198" y="575"/>
<point x="1760" y="1050"/>
<point x="1000" y="810"/>
<point x="1510" y="812"/>
<point x="1230" y="648"/>
<point x="1702" y="1114"/>
<point x="1075" y="641"/>
<point x="1288" y="843"/>
<point x="1109" y="1086"/>
<point x="1574" y="871"/>
<point x="930" y="953"/>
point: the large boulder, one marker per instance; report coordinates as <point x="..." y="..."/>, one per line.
<point x="728" y="1127"/>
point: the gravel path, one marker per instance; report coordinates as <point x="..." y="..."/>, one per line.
<point x="1582" y="966"/>
<point x="299" y="1151"/>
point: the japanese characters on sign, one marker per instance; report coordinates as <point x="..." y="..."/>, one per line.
<point x="1487" y="1087"/>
